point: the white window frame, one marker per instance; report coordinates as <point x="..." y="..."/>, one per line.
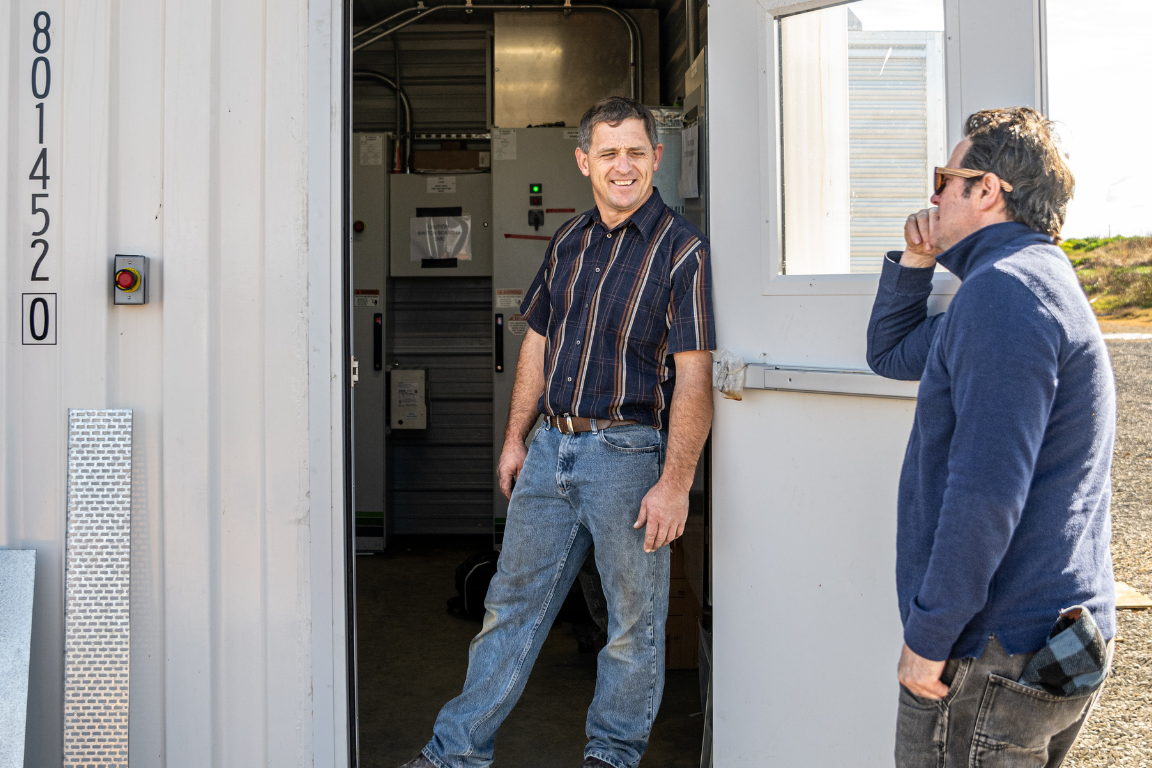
<point x="771" y="164"/>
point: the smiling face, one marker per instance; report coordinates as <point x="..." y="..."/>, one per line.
<point x="620" y="162"/>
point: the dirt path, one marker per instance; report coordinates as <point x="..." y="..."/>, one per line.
<point x="1120" y="731"/>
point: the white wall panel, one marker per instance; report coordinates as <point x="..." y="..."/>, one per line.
<point x="206" y="136"/>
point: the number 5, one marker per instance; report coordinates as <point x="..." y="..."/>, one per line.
<point x="37" y="209"/>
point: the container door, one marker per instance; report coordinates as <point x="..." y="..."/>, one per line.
<point x="824" y="125"/>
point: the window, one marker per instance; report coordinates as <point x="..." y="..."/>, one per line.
<point x="862" y="123"/>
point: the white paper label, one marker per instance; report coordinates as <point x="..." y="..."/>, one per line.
<point x="366" y="301"/>
<point x="441" y="185"/>
<point x="573" y="134"/>
<point x="517" y="325"/>
<point x="441" y="237"/>
<point x="504" y="144"/>
<point x="485" y="160"/>
<point x="689" y="176"/>
<point x="371" y="149"/>
<point x="509" y="297"/>
<point x="408" y="396"/>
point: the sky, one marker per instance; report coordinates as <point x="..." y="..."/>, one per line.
<point x="1099" y="78"/>
<point x="1100" y="75"/>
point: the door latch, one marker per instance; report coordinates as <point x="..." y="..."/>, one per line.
<point x="355" y="370"/>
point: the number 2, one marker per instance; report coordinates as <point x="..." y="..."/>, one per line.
<point x="43" y="253"/>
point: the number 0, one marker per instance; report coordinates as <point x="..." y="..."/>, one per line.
<point x="32" y="319"/>
<point x="47" y="77"/>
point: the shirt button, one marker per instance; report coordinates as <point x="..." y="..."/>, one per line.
<point x="609" y="235"/>
<point x="597" y="269"/>
<point x="577" y="341"/>
<point x="569" y="378"/>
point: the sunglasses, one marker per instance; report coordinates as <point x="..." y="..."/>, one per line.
<point x="942" y="175"/>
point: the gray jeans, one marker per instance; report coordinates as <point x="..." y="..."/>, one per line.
<point x="988" y="720"/>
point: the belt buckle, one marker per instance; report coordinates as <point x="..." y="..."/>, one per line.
<point x="568" y="419"/>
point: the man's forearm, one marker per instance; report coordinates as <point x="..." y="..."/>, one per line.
<point x="526" y="389"/>
<point x="689" y="419"/>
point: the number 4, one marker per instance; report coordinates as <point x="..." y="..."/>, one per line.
<point x="42" y="164"/>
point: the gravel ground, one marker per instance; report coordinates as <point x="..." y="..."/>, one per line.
<point x="1119" y="732"/>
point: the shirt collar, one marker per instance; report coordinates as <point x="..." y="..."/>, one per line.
<point x="644" y="219"/>
<point x="977" y="248"/>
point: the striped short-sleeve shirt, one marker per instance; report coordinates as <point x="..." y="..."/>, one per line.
<point x="614" y="306"/>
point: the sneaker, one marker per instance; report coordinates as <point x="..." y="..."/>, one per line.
<point x="420" y="762"/>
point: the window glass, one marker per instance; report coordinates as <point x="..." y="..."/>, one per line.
<point x="862" y="125"/>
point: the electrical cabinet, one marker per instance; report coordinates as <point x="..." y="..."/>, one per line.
<point x="369" y="323"/>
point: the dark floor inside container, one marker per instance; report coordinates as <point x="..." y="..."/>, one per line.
<point x="413" y="656"/>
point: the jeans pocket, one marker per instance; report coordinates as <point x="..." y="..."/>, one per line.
<point x="921" y="731"/>
<point x="633" y="438"/>
<point x="1016" y="723"/>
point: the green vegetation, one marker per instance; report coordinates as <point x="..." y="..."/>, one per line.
<point x="1115" y="272"/>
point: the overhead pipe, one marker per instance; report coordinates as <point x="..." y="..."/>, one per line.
<point x="635" y="38"/>
<point x="691" y="19"/>
<point x="366" y="74"/>
<point x="382" y="22"/>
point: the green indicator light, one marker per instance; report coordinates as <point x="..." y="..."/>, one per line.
<point x="535" y="188"/>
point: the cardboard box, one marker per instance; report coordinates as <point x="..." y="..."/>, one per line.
<point x="450" y="160"/>
<point x="681" y="644"/>
<point x="681" y="632"/>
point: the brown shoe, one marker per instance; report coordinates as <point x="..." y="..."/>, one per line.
<point x="420" y="762"/>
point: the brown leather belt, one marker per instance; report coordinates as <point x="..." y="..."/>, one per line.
<point x="571" y="424"/>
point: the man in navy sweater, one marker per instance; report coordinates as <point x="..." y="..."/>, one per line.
<point x="1003" y="567"/>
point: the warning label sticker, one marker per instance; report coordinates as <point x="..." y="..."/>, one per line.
<point x="518" y="325"/>
<point x="504" y="144"/>
<point x="509" y="297"/>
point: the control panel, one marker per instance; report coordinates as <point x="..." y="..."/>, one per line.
<point x="130" y="280"/>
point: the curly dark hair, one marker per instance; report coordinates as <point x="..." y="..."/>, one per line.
<point x="1018" y="145"/>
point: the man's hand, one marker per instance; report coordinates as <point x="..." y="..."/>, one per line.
<point x="919" y="233"/>
<point x="920" y="675"/>
<point x="511" y="462"/>
<point x="664" y="510"/>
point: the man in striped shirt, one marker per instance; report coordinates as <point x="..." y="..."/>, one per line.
<point x="617" y="360"/>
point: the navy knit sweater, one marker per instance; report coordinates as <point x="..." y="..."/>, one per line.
<point x="1003" y="516"/>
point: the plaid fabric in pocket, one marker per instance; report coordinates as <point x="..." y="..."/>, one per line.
<point x="1075" y="658"/>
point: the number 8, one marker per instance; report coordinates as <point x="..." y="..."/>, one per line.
<point x="42" y="30"/>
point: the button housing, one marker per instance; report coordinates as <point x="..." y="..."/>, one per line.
<point x="132" y="293"/>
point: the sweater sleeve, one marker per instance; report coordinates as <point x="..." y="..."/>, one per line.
<point x="900" y="331"/>
<point x="1002" y="353"/>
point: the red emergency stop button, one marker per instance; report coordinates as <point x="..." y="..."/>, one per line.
<point x="128" y="279"/>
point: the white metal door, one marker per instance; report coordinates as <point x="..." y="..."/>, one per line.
<point x="806" y="626"/>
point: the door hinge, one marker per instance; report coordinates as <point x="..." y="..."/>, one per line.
<point x="355" y="370"/>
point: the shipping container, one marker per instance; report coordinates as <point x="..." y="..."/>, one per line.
<point x="213" y="324"/>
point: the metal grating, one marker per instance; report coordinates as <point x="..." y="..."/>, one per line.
<point x="97" y="569"/>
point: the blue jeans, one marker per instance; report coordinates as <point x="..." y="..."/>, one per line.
<point x="574" y="490"/>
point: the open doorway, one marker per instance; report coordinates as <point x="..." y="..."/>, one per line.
<point x="464" y="122"/>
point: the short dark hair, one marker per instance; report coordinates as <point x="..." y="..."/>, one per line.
<point x="1018" y="145"/>
<point x="615" y="110"/>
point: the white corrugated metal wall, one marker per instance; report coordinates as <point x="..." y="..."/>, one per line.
<point x="896" y="124"/>
<point x="204" y="135"/>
